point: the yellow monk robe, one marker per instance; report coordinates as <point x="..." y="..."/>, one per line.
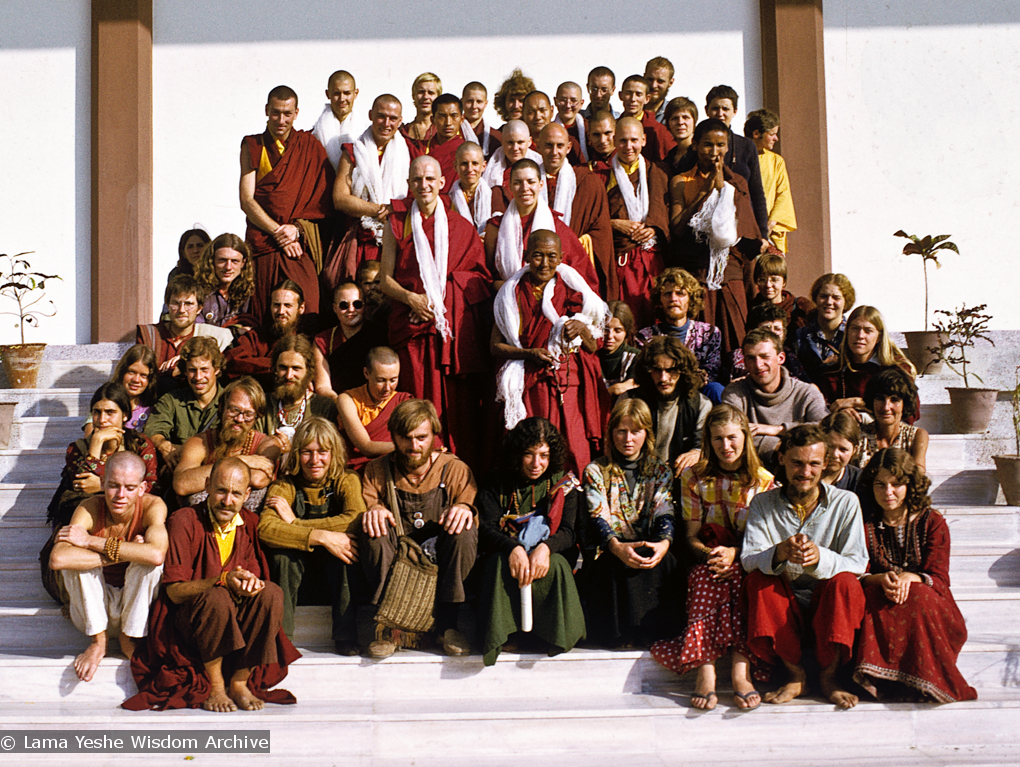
<point x="778" y="199"/>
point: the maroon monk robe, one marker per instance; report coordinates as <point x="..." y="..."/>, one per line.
<point x="573" y="250"/>
<point x="378" y="430"/>
<point x="299" y="186"/>
<point x="574" y="156"/>
<point x="725" y="308"/>
<point x="445" y="154"/>
<point x="250" y="355"/>
<point x="168" y="672"/>
<point x="495" y="141"/>
<point x="358" y="244"/>
<point x="575" y="141"/>
<point x="574" y="397"/>
<point x="413" y="143"/>
<point x="590" y="215"/>
<point x="658" y="140"/>
<point x="600" y="164"/>
<point x="449" y="373"/>
<point x="636" y="267"/>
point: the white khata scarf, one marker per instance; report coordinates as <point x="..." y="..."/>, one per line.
<point x="566" y="189"/>
<point x="432" y="263"/>
<point x="469" y="134"/>
<point x="379" y="181"/>
<point x="333" y="134"/>
<point x="493" y="175"/>
<point x="579" y="122"/>
<point x="636" y="202"/>
<point x="510" y="379"/>
<point x="480" y="210"/>
<point x="510" y="239"/>
<point x="716" y="223"/>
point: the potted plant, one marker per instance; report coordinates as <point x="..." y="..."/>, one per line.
<point x="25" y="287"/>
<point x="919" y="342"/>
<point x="958" y="331"/>
<point x="1007" y="467"/>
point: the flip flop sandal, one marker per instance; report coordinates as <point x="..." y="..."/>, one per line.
<point x="747" y="695"/>
<point x="707" y="698"/>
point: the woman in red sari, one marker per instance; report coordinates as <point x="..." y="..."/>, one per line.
<point x="714" y="496"/>
<point x="913" y="630"/>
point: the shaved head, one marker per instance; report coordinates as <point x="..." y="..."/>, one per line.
<point x="568" y="87"/>
<point x="469" y="148"/>
<point x="341" y="75"/>
<point x="386" y="99"/>
<point x="554" y="145"/>
<point x="553" y="130"/>
<point x="629" y="122"/>
<point x="418" y="162"/>
<point x="127" y="460"/>
<point x="516" y="129"/>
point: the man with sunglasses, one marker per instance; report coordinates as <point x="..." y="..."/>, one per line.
<point x="434" y="271"/>
<point x="242" y="403"/>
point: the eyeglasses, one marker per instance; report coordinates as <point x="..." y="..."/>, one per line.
<point x="244" y="416"/>
<point x="668" y="371"/>
<point x="345" y="305"/>
<point x="175" y="305"/>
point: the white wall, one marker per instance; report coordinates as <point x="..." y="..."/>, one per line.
<point x="45" y="197"/>
<point x="923" y="136"/>
<point x="211" y="77"/>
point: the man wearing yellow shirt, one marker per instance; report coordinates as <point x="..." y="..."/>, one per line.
<point x="762" y="127"/>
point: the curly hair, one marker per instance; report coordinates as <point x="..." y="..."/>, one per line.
<point x="893" y="383"/>
<point x="529" y="433"/>
<point x="675" y="278"/>
<point x="243" y="286"/>
<point x="145" y="355"/>
<point x="517" y="82"/>
<point x="709" y="465"/>
<point x="201" y="346"/>
<point x="901" y="465"/>
<point x="842" y="282"/>
<point x="682" y="359"/>
<point x="317" y="429"/>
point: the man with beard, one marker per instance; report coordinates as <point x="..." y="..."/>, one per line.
<point x="251" y="354"/>
<point x="804" y="550"/>
<point x="293" y="400"/>
<point x="242" y="403"/>
<point x="111" y="555"/>
<point x="285" y="186"/>
<point x="434" y="271"/>
<point x="215" y="638"/>
<point x="166" y="338"/>
<point x="435" y="495"/>
<point x="668" y="381"/>
<point x="365" y="411"/>
<point x="580" y="197"/>
<point x="659" y="74"/>
<point x="179" y="415"/>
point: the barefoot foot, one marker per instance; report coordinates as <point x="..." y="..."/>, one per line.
<point x="219" y="701"/>
<point x="243" y="697"/>
<point x="85" y="665"/>
<point x="128" y="645"/>
<point x="835" y="693"/>
<point x="704" y="697"/>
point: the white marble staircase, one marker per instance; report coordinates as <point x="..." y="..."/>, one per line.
<point x="587" y="707"/>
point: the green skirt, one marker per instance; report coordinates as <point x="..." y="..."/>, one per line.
<point x="556" y="607"/>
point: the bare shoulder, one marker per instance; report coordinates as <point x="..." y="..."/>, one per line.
<point x="153" y="510"/>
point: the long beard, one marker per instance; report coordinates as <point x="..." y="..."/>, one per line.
<point x="281" y="329"/>
<point x="229" y="441"/>
<point x="407" y="463"/>
<point x="289" y="393"/>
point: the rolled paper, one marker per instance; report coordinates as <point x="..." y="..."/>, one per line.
<point x="526" y="615"/>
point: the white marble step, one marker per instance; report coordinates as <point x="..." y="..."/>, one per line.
<point x="48" y="402"/>
<point x="45" y="431"/>
<point x="19" y="466"/>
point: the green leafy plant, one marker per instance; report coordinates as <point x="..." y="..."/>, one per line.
<point x="20" y="284"/>
<point x="1016" y="409"/>
<point x="927" y="248"/>
<point x="960" y="330"/>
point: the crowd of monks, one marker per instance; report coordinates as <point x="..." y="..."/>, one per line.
<point x="411" y="289"/>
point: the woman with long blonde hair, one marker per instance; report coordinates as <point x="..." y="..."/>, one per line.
<point x="714" y="496"/>
<point x="631" y="520"/>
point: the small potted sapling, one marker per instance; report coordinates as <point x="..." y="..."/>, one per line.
<point x="18" y="283"/>
<point x="1007" y="467"/>
<point x="959" y="330"/>
<point x="919" y="342"/>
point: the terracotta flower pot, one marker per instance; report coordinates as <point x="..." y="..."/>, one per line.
<point x="972" y="408"/>
<point x="22" y="363"/>
<point x="918" y="342"/>
<point x="1007" y="468"/>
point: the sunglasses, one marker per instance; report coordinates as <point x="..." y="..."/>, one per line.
<point x="345" y="305"/>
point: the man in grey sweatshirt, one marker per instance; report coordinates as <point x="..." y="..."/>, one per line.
<point x="772" y="400"/>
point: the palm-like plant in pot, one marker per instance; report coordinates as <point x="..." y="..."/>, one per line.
<point x="959" y="330"/>
<point x="26" y="288"/>
<point x="920" y="341"/>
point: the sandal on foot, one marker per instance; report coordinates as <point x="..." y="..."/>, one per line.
<point x="744" y="698"/>
<point x="711" y="700"/>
